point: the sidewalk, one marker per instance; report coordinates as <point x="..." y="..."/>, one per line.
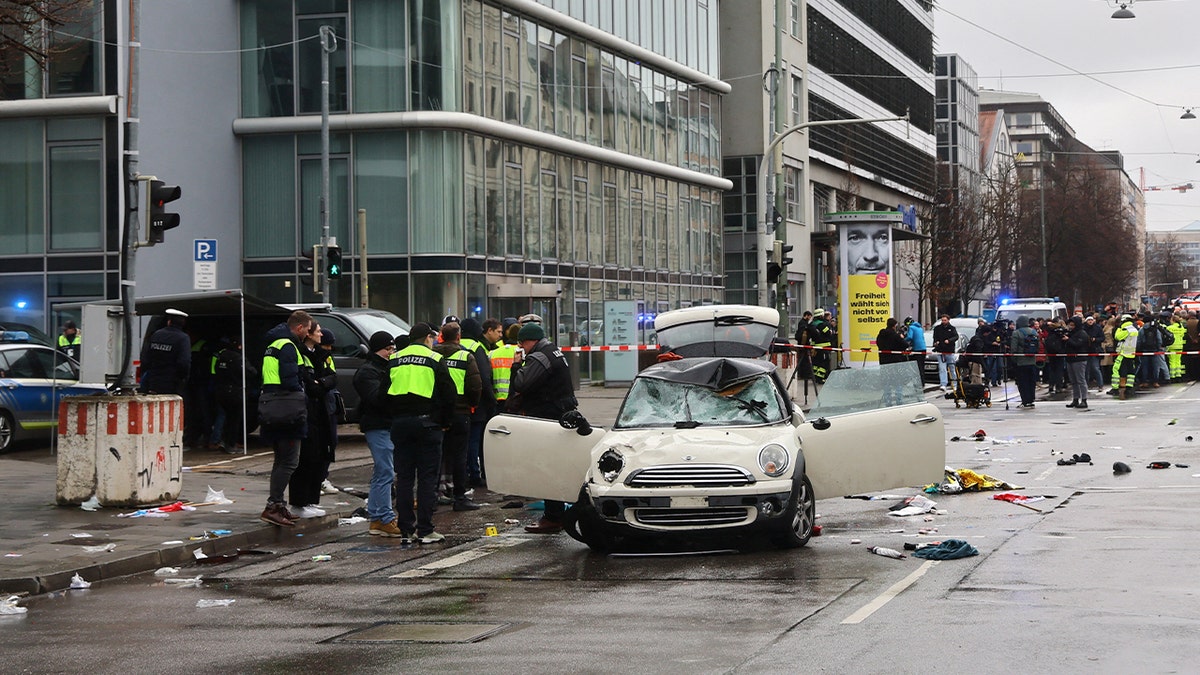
<point x="41" y="547"/>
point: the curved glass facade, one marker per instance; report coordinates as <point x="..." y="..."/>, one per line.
<point x="456" y="220"/>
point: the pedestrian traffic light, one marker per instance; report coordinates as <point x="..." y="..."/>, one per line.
<point x="773" y="257"/>
<point x="160" y="221"/>
<point x="784" y="250"/>
<point x="333" y="261"/>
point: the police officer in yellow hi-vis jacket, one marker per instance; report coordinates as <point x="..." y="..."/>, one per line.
<point x="421" y="397"/>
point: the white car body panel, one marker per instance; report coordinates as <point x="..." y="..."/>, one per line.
<point x="873" y="451"/>
<point x="537" y="458"/>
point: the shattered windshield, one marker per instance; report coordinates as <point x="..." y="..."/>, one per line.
<point x="853" y="390"/>
<point x="653" y="402"/>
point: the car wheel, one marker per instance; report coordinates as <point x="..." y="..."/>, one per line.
<point x="583" y="524"/>
<point x="7" y="429"/>
<point x="802" y="514"/>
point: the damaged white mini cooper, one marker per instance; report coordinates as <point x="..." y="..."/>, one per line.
<point x="710" y="444"/>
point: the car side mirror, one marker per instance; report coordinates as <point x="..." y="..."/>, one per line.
<point x="821" y="424"/>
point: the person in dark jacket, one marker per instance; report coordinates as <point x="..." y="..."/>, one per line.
<point x="1024" y="367"/>
<point x="945" y="344"/>
<point x="1095" y="333"/>
<point x="890" y="340"/>
<point x="235" y="382"/>
<point x="281" y="372"/>
<point x="316" y="450"/>
<point x="371" y="383"/>
<point x="480" y="339"/>
<point x="541" y="387"/>
<point x="421" y="397"/>
<point x="464" y="370"/>
<point x="1077" y="345"/>
<point x="167" y="357"/>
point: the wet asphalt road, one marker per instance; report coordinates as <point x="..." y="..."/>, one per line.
<point x="1098" y="579"/>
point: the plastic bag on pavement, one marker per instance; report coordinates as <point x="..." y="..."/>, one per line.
<point x="106" y="548"/>
<point x="214" y="603"/>
<point x="79" y="582"/>
<point x="913" y="506"/>
<point x="352" y="520"/>
<point x="91" y="504"/>
<point x="166" y="571"/>
<point x="190" y="582"/>
<point x="9" y="606"/>
<point x="216" y="497"/>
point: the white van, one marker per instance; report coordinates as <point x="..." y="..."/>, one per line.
<point x="1033" y="308"/>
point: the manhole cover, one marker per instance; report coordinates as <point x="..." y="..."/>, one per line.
<point x="429" y="631"/>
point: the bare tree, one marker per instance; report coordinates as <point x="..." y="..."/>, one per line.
<point x="27" y="28"/>
<point x="1167" y="265"/>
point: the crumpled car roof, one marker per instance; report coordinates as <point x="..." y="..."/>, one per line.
<point x="711" y="373"/>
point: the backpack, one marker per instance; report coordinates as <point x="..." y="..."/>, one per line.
<point x="1031" y="342"/>
<point x="1168" y="338"/>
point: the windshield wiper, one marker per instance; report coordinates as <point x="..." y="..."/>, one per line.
<point x="687" y="424"/>
<point x="757" y="407"/>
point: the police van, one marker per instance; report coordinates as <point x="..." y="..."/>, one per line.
<point x="1033" y="308"/>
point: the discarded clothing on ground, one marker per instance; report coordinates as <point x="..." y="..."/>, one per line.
<point x="966" y="480"/>
<point x="949" y="549"/>
<point x="913" y="506"/>
<point x="1018" y="499"/>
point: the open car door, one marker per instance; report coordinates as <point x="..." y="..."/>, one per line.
<point x="857" y="441"/>
<point x="536" y="458"/>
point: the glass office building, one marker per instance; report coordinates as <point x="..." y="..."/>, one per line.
<point x="509" y="156"/>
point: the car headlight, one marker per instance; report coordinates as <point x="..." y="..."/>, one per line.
<point x="773" y="460"/>
<point x="610" y="464"/>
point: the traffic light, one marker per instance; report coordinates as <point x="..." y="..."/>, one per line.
<point x="784" y="250"/>
<point x="310" y="267"/>
<point x="776" y="219"/>
<point x="160" y="221"/>
<point x="773" y="266"/>
<point x="333" y="261"/>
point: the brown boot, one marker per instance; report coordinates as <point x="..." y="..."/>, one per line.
<point x="544" y="526"/>
<point x="1121" y="393"/>
<point x="277" y="514"/>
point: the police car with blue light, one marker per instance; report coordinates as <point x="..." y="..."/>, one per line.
<point x="34" y="378"/>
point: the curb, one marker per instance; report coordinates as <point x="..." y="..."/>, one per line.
<point x="170" y="556"/>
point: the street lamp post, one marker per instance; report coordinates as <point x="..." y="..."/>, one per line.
<point x="764" y="236"/>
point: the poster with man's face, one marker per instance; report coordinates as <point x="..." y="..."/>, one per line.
<point x="865" y="252"/>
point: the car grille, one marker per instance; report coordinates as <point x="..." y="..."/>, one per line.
<point x="735" y="515"/>
<point x="698" y="475"/>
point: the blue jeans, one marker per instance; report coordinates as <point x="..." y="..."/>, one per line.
<point x="379" y="499"/>
<point x="418" y="443"/>
<point x="992" y="369"/>
<point x="475" y="451"/>
<point x="947" y="373"/>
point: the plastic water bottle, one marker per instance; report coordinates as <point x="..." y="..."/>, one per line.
<point x="886" y="552"/>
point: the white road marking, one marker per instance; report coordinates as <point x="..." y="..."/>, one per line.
<point x="886" y="597"/>
<point x="459" y="558"/>
<point x="1047" y="472"/>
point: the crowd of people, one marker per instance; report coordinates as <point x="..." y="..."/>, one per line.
<point x="1075" y="356"/>
<point x="425" y="399"/>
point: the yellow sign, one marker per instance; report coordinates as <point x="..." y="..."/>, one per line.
<point x="868" y="307"/>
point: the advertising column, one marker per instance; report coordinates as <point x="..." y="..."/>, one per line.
<point x="865" y="276"/>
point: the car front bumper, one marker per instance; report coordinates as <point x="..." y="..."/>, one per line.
<point x="750" y="508"/>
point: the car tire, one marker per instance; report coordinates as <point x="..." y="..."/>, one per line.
<point x="801" y="516"/>
<point x="584" y="525"/>
<point x="7" y="430"/>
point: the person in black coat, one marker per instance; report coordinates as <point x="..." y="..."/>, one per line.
<point x="890" y="340"/>
<point x="167" y="357"/>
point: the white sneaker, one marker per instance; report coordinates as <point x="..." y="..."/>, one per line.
<point x="433" y="538"/>
<point x="327" y="488"/>
<point x="310" y="511"/>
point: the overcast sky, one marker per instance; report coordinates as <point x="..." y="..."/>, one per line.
<point x="1138" y="114"/>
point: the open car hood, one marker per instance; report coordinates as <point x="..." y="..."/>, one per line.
<point x="744" y="331"/>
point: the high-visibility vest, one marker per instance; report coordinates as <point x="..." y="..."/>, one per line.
<point x="502" y="358"/>
<point x="64" y="342"/>
<point x="456" y="363"/>
<point x="412" y="371"/>
<point x="1179" y="331"/>
<point x="270" y="369"/>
